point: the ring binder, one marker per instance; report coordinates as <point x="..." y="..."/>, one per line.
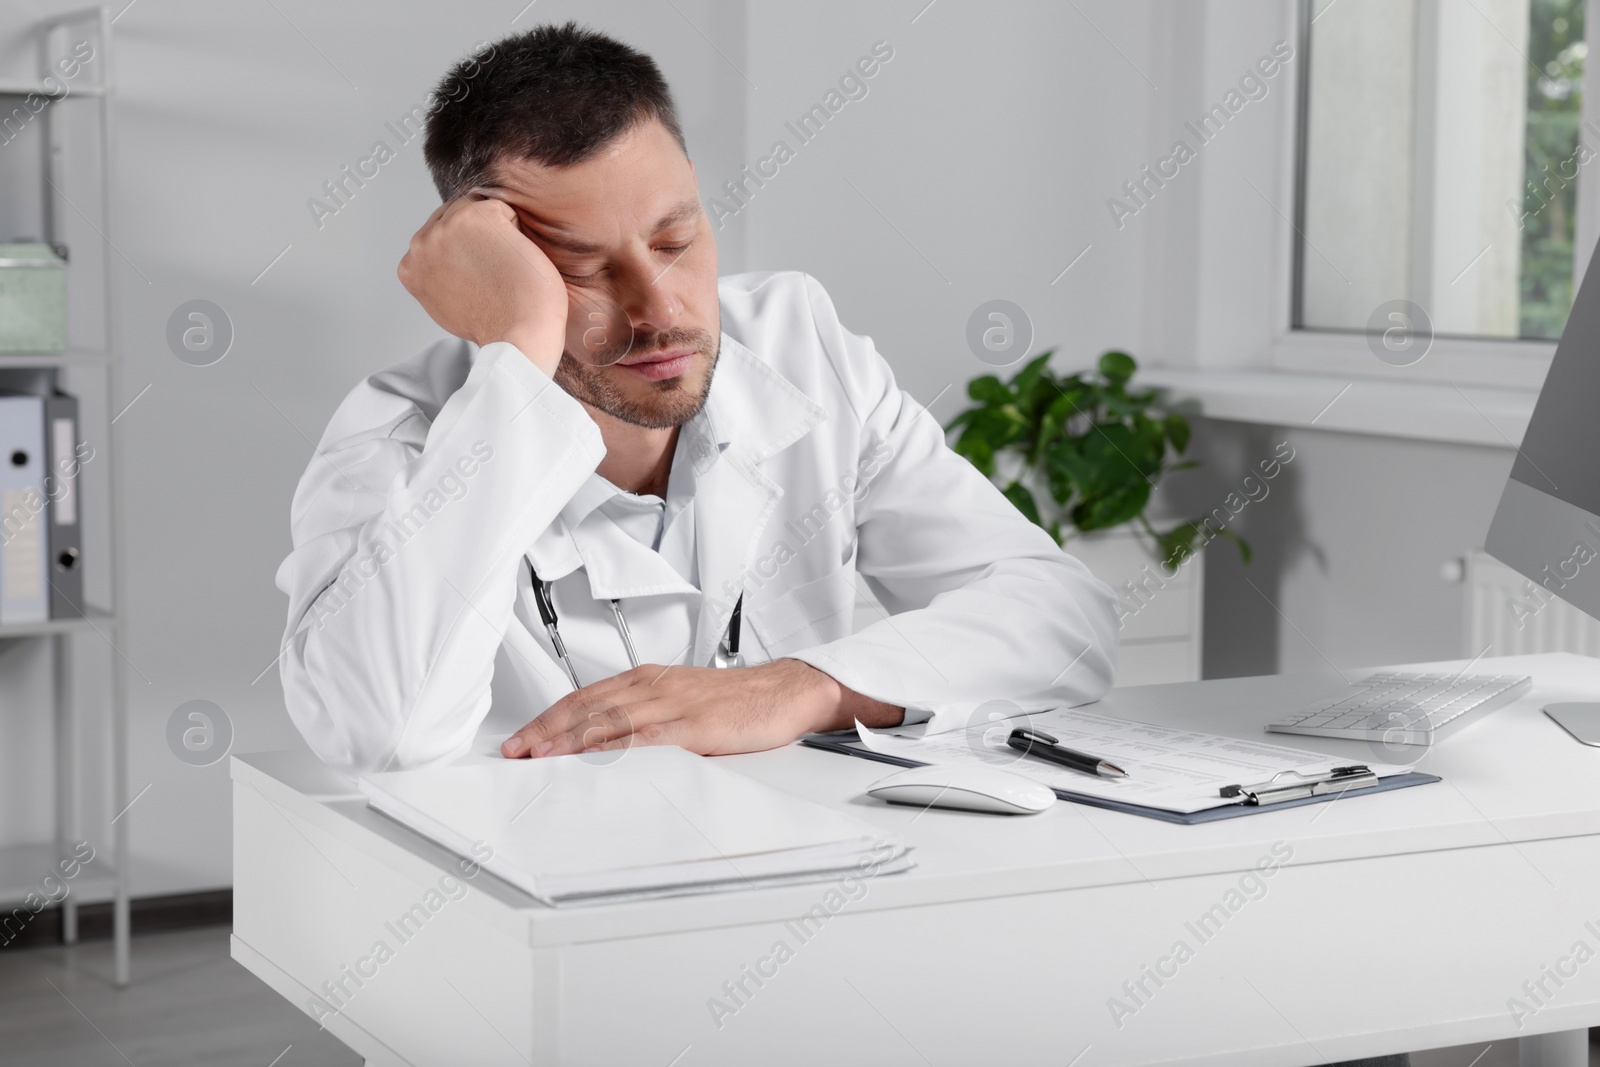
<point x="1337" y="780"/>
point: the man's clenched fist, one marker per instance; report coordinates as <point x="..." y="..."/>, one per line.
<point x="477" y="275"/>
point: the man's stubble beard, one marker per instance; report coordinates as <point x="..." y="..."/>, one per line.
<point x="671" y="405"/>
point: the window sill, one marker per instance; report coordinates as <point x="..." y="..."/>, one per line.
<point x="1495" y="363"/>
<point x="1416" y="410"/>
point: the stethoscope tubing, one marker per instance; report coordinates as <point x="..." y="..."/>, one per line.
<point x="729" y="651"/>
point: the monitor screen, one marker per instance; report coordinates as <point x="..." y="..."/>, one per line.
<point x="1560" y="450"/>
<point x="1547" y="525"/>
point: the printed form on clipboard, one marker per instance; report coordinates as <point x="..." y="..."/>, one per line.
<point x="1170" y="769"/>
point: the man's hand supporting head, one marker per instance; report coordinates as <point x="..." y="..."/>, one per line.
<point x="708" y="710"/>
<point x="477" y="275"/>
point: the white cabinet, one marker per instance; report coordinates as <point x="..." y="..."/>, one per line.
<point x="1160" y="611"/>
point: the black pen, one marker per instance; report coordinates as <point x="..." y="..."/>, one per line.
<point x="1042" y="745"/>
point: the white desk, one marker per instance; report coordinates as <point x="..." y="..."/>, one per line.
<point x="1401" y="921"/>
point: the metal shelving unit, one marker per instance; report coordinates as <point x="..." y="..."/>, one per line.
<point x="93" y="620"/>
<point x="22" y="867"/>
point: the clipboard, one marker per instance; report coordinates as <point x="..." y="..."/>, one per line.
<point x="846" y="744"/>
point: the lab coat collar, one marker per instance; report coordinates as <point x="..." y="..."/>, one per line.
<point x="751" y="414"/>
<point x="753" y="408"/>
<point x="762" y="413"/>
<point x="615" y="563"/>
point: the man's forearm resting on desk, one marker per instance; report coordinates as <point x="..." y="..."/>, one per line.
<point x="619" y="438"/>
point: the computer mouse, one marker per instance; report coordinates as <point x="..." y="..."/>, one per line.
<point x="965" y="787"/>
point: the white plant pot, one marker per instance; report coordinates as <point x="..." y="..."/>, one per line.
<point x="1160" y="611"/>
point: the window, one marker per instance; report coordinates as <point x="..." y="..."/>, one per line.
<point x="1438" y="161"/>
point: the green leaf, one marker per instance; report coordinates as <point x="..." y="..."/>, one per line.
<point x="1019" y="495"/>
<point x="1045" y="433"/>
<point x="1029" y="376"/>
<point x="1036" y="397"/>
<point x="1186" y="538"/>
<point x="1114" y="456"/>
<point x="1062" y="486"/>
<point x="1067" y="470"/>
<point x="1177" y="544"/>
<point x="996" y="427"/>
<point x="1178" y="432"/>
<point x="988" y="390"/>
<point x="1000" y="426"/>
<point x="1179" y="536"/>
<point x="1117" y="367"/>
<point x="977" y="450"/>
<point x="1243" y="545"/>
<point x="1151" y="438"/>
<point x="1110" y="509"/>
<point x="1066" y="405"/>
<point x="1121" y="404"/>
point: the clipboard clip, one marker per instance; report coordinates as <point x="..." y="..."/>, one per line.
<point x="1337" y="780"/>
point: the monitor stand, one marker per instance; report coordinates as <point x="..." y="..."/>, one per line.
<point x="1581" y="720"/>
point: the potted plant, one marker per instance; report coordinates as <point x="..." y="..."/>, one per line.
<point x="1082" y="452"/>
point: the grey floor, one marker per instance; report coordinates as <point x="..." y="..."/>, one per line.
<point x="190" y="1004"/>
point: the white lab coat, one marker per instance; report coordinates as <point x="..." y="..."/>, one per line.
<point x="411" y="621"/>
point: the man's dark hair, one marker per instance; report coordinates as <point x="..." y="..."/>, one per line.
<point x="553" y="95"/>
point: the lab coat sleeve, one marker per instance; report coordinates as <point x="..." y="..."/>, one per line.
<point x="984" y="606"/>
<point x="407" y="536"/>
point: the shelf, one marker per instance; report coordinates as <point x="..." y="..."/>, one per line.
<point x="72" y="357"/>
<point x="23" y="869"/>
<point x="96" y="620"/>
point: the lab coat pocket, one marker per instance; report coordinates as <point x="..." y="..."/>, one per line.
<point x="812" y="614"/>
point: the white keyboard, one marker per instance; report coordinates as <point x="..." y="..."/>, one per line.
<point x="1405" y="709"/>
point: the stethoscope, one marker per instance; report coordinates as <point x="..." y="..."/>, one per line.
<point x="726" y="655"/>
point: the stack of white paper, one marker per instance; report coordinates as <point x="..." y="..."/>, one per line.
<point x="644" y="822"/>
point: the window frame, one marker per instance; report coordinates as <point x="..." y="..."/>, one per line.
<point x="1517" y="363"/>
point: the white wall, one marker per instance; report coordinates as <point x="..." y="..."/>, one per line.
<point x="976" y="168"/>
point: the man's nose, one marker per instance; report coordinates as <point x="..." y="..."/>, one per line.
<point x="651" y="305"/>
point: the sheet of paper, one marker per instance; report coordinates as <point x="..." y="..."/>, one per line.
<point x="1174" y="769"/>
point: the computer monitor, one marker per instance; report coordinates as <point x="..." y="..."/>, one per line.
<point x="1547" y="525"/>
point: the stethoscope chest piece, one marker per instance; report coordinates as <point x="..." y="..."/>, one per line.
<point x="727" y="653"/>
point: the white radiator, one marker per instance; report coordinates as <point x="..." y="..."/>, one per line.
<point x="1510" y="615"/>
